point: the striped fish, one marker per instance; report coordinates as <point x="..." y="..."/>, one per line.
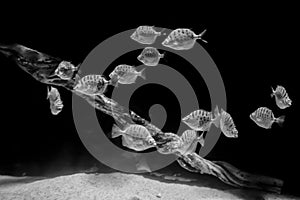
<point x="182" y="39"/>
<point x="201" y="120"/>
<point x="92" y="84"/>
<point x="150" y="56"/>
<point x="264" y="117"/>
<point x="190" y="139"/>
<point x="281" y="97"/>
<point x="227" y="125"/>
<point x="56" y="104"/>
<point x="134" y="136"/>
<point x="145" y="34"/>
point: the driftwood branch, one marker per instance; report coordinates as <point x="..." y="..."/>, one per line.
<point x="229" y="174"/>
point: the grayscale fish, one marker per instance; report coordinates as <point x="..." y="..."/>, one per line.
<point x="134" y="136"/>
<point x="264" y="118"/>
<point x="92" y="84"/>
<point x="56" y="104"/>
<point x="65" y="70"/>
<point x="182" y="39"/>
<point x="145" y="34"/>
<point x="125" y="74"/>
<point x="227" y="125"/>
<point x="201" y="120"/>
<point x="150" y="56"/>
<point x="190" y="139"/>
<point x="281" y="97"/>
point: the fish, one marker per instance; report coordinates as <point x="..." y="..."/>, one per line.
<point x="182" y="39"/>
<point x="65" y="70"/>
<point x="56" y="104"/>
<point x="150" y="56"/>
<point x="92" y="84"/>
<point x="281" y="97"/>
<point x="227" y="124"/>
<point x="145" y="34"/>
<point x="189" y="141"/>
<point x="264" y="118"/>
<point x="125" y="74"/>
<point x="201" y="120"/>
<point x="134" y="136"/>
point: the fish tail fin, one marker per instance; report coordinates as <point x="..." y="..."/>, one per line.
<point x="113" y="81"/>
<point x="115" y="132"/>
<point x="280" y="120"/>
<point x="142" y="73"/>
<point x="201" y="140"/>
<point x="273" y="92"/>
<point x="289" y="101"/>
<point x="216" y="120"/>
<point x="199" y="36"/>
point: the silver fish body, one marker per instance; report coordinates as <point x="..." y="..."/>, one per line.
<point x="65" y="70"/>
<point x="200" y="120"/>
<point x="189" y="141"/>
<point x="56" y="104"/>
<point x="134" y="136"/>
<point x="150" y="56"/>
<point x="281" y="97"/>
<point x="227" y="125"/>
<point x="145" y="34"/>
<point x="182" y="39"/>
<point x="92" y="84"/>
<point x="174" y="142"/>
<point x="264" y="117"/>
<point x="125" y="74"/>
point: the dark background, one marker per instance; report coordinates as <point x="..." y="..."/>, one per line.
<point x="252" y="54"/>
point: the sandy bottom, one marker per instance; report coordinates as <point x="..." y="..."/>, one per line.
<point x="115" y="186"/>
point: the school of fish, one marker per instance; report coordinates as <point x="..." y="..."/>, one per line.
<point x="264" y="117"/>
<point x="138" y="137"/>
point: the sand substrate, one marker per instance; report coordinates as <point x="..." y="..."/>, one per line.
<point x="113" y="186"/>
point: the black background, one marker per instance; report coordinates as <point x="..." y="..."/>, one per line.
<point x="252" y="54"/>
